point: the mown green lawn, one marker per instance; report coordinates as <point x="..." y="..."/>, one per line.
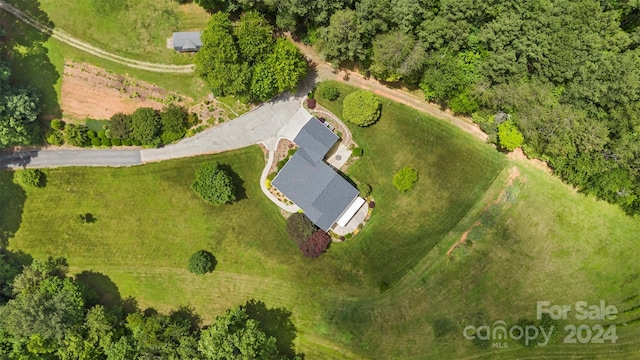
<point x="550" y="244"/>
<point x="136" y="29"/>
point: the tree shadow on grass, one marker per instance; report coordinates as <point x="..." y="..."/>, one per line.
<point x="238" y="183"/>
<point x="187" y="314"/>
<point x="100" y="290"/>
<point x="29" y="58"/>
<point x="12" y="199"/>
<point x="274" y="322"/>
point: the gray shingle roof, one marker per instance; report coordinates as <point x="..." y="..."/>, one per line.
<point x="187" y="41"/>
<point x="312" y="184"/>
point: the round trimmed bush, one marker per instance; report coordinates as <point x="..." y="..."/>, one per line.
<point x="92" y="134"/>
<point x="30" y="178"/>
<point x="357" y="152"/>
<point x="135" y="142"/>
<point x="214" y="185"/>
<point x="96" y="141"/>
<point x="365" y="190"/>
<point x="57" y="124"/>
<point x="105" y="141"/>
<point x="55" y="137"/>
<point x="329" y="91"/>
<point x="202" y="262"/>
<point x="126" y="142"/>
<point x="116" y="142"/>
<point x="405" y="179"/>
<point x="361" y="108"/>
<point x="102" y="134"/>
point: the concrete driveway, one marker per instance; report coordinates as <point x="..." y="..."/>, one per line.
<point x="282" y="117"/>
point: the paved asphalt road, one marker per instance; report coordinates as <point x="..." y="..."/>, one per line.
<point x="282" y="117"/>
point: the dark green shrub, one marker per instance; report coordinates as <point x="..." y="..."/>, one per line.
<point x="329" y="91"/>
<point x="135" y="142"/>
<point x="272" y="176"/>
<point x="300" y="228"/>
<point x="96" y="142"/>
<point x="30" y="178"/>
<point x="120" y="126"/>
<point x="85" y="218"/>
<point x="145" y="126"/>
<point x="291" y="152"/>
<point x="116" y="142"/>
<point x="192" y="120"/>
<point x="102" y="134"/>
<point x="92" y="134"/>
<point x="76" y="135"/>
<point x="365" y="190"/>
<point x="214" y="185"/>
<point x="383" y="286"/>
<point x="348" y="236"/>
<point x="57" y="124"/>
<point x="202" y="262"/>
<point x="281" y="163"/>
<point x="106" y="141"/>
<point x="55" y="137"/>
<point x="126" y="142"/>
<point x="357" y="151"/>
<point x="311" y="95"/>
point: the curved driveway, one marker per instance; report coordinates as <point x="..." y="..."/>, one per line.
<point x="282" y="117"/>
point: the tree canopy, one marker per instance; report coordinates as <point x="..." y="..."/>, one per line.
<point x="214" y="185"/>
<point x="46" y="314"/>
<point x="361" y="108"/>
<point x="246" y="59"/>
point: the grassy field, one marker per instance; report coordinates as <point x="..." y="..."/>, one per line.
<point x="547" y="243"/>
<point x="136" y="29"/>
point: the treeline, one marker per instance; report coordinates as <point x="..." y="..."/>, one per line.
<point x="145" y="126"/>
<point x="47" y="314"/>
<point x="560" y="78"/>
<point x="246" y="59"/>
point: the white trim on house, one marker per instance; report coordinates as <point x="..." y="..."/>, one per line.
<point x="348" y="214"/>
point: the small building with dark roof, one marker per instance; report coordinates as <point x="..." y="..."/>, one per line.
<point x="312" y="184"/>
<point x="187" y="41"/>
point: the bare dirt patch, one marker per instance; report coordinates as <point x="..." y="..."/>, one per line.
<point x="91" y="92"/>
<point x="519" y="155"/>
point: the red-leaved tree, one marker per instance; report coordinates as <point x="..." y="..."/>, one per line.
<point x="316" y="245"/>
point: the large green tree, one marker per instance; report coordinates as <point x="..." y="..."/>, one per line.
<point x="219" y="62"/>
<point x="19" y="109"/>
<point x="234" y="336"/>
<point x="214" y="185"/>
<point x="145" y="126"/>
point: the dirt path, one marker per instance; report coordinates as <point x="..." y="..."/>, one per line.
<point x="324" y="71"/>
<point x="69" y="40"/>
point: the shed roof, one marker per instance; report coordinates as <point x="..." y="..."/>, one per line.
<point x="187" y="41"/>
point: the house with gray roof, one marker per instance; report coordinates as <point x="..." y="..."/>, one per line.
<point x="324" y="196"/>
<point x="187" y="41"/>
